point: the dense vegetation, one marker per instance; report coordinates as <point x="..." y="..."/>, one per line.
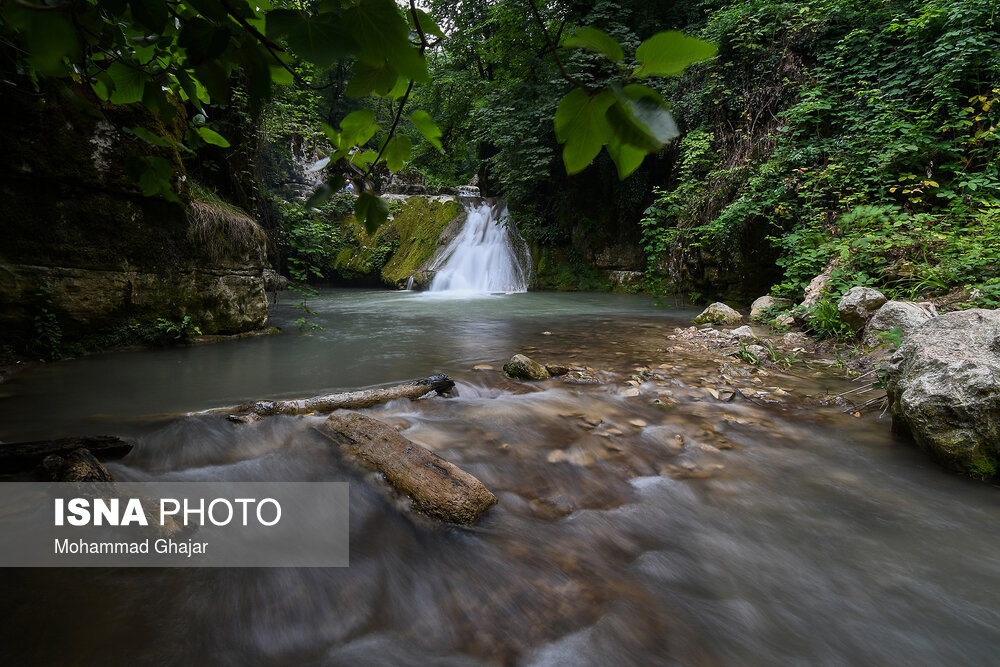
<point x="857" y="133"/>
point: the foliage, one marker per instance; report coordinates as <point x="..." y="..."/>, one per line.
<point x="823" y="319"/>
<point x="862" y="133"/>
<point x="47" y="334"/>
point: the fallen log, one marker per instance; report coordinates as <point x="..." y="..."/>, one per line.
<point x="253" y="411"/>
<point x="438" y="488"/>
<point x="23" y="456"/>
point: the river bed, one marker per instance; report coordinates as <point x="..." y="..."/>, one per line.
<point x="667" y="527"/>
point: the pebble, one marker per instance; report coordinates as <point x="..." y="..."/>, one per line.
<point x="483" y="367"/>
<point x="631" y="392"/>
<point x="638" y="423"/>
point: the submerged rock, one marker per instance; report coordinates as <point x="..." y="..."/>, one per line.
<point x="521" y="367"/>
<point x="944" y="389"/>
<point x="719" y="313"/>
<point x="858" y="305"/>
<point x="904" y="315"/>
<point x="581" y="376"/>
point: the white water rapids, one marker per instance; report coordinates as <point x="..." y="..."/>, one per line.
<point x="482" y="258"/>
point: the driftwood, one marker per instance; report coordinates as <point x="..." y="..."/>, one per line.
<point x="23" y="456"/>
<point x="353" y="400"/>
<point x="438" y="488"/>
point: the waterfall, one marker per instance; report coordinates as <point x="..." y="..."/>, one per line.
<point x="483" y="257"/>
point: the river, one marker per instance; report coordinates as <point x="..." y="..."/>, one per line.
<point x="693" y="531"/>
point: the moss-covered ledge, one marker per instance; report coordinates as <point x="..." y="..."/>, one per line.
<point x="401" y="246"/>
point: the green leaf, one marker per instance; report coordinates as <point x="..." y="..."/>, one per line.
<point x="397" y="152"/>
<point x="668" y="53"/>
<point x="150" y="137"/>
<point x="281" y="76"/>
<point x="50" y="38"/>
<point x="215" y="77"/>
<point x="581" y="125"/>
<point x="596" y="40"/>
<point x="189" y="87"/>
<point x="321" y="39"/>
<point x="371" y="211"/>
<point x="427" y="24"/>
<point x="212" y="137"/>
<point x="129" y="83"/>
<point x="427" y="127"/>
<point x="627" y="157"/>
<point x="383" y="36"/>
<point x="368" y="79"/>
<point x="325" y="191"/>
<point x="640" y="117"/>
<point x="357" y="128"/>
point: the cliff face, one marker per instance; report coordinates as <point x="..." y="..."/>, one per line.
<point x="78" y="235"/>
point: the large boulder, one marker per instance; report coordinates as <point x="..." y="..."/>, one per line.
<point x="903" y="315"/>
<point x="719" y="313"/>
<point x="761" y="304"/>
<point x="521" y="367"/>
<point x="858" y="305"/>
<point x="944" y="389"/>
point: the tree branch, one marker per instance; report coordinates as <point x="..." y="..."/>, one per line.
<point x="552" y="47"/>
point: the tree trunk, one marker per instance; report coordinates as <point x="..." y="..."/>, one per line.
<point x="253" y="411"/>
<point x="23" y="456"/>
<point x="437" y="487"/>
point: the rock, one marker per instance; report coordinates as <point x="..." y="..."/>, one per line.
<point x="638" y="423"/>
<point x="483" y="367"/>
<point x="274" y="281"/>
<point x="744" y="334"/>
<point x="421" y="280"/>
<point x="784" y="321"/>
<point x="556" y="369"/>
<point x="556" y="456"/>
<point x="817" y="286"/>
<point x="761" y="304"/>
<point x="78" y="466"/>
<point x="521" y="367"/>
<point x="858" y="305"/>
<point x="794" y="339"/>
<point x="719" y="313"/>
<point x="581" y="377"/>
<point x="944" y="389"/>
<point x="905" y="315"/>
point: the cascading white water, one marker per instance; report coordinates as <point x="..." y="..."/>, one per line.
<point x="482" y="258"/>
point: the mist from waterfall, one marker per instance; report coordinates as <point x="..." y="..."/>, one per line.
<point x="483" y="257"/>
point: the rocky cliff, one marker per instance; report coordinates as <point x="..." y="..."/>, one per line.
<point x="81" y="241"/>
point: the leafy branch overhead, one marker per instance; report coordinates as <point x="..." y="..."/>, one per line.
<point x="198" y="52"/>
<point x="630" y="119"/>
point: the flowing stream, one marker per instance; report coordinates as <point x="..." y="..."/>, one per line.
<point x="627" y="533"/>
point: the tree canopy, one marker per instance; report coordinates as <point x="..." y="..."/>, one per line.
<point x="198" y="51"/>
